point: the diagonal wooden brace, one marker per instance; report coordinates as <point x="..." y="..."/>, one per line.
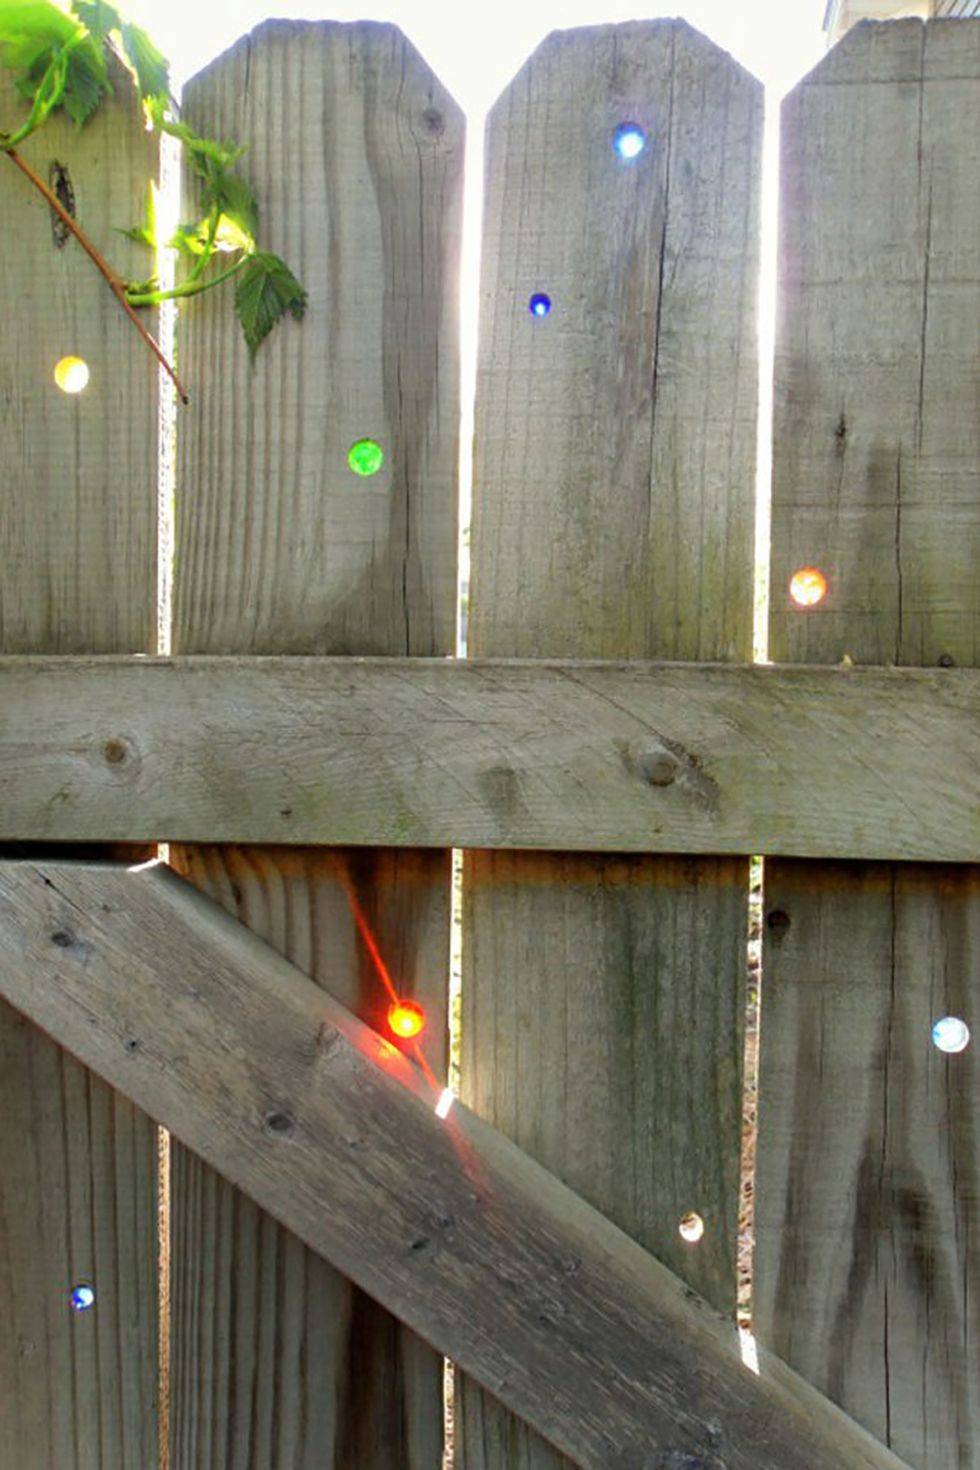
<point x="557" y="1312"/>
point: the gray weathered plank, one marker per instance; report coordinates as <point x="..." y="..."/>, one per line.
<point x="612" y="518"/>
<point x="78" y="527"/>
<point x="77" y="574"/>
<point x="869" y="1178"/>
<point x="805" y="761"/>
<point x="446" y="1222"/>
<point x="278" y="1358"/>
<point x="867" y="1269"/>
<point x="876" y="427"/>
<point x="356" y="154"/>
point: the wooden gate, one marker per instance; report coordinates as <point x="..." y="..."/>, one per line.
<point x="277" y="1287"/>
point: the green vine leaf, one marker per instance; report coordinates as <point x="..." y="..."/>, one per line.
<point x="190" y="240"/>
<point x="30" y="30"/>
<point x="57" y="62"/>
<point x="203" y="153"/>
<point x="239" y="211"/>
<point x="60" y="58"/>
<point x="150" y="65"/>
<point x="98" y="18"/>
<point x="86" y="83"/>
<point x="266" y="291"/>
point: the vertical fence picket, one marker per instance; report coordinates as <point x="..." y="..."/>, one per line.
<point x="356" y="154"/>
<point x="868" y="1187"/>
<point x="77" y="575"/>
<point x="612" y="517"/>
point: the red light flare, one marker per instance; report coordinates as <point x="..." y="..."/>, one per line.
<point x="399" y="1006"/>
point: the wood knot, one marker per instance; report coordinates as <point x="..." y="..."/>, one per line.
<point x="433" y="121"/>
<point x="63" y="938"/>
<point x="278" y="1124"/>
<point x="777" y="922"/>
<point x="328" y="1039"/>
<point x="118" y="756"/>
<point x="664" y="762"/>
<point x="659" y="767"/>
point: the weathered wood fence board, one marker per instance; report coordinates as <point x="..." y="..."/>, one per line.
<point x="445" y="1221"/>
<point x="876" y="419"/>
<point x="277" y="1358"/>
<point x="612" y="518"/>
<point x="77" y="574"/>
<point x="866" y="1259"/>
<point x="604" y="964"/>
<point x="494" y="753"/>
<point x="281" y="547"/>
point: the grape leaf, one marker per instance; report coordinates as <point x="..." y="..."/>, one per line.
<point x="97" y="17"/>
<point x="59" y="64"/>
<point x="203" y="153"/>
<point x="266" y="291"/>
<point x="28" y="31"/>
<point x="86" y="82"/>
<point x="149" y="64"/>
<point x="190" y="239"/>
<point x="233" y="196"/>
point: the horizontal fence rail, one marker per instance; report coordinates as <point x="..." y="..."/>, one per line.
<point x="872" y="763"/>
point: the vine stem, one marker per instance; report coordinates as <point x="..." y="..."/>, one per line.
<point x="181" y="293"/>
<point x="115" y="285"/>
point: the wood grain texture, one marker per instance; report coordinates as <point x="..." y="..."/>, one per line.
<point x="446" y="1222"/>
<point x="805" y="761"/>
<point x="612" y="518"/>
<point x="867" y="1157"/>
<point x="278" y="1358"/>
<point x="77" y="574"/>
<point x="78" y="527"/>
<point x="356" y="154"/>
<point x="868" y="1187"/>
<point x="876" y="424"/>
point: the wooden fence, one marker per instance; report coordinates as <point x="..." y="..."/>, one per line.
<point x="328" y="1222"/>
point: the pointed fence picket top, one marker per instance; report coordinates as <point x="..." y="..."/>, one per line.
<point x="612" y="517"/>
<point x="868" y="1187"/>
<point x="78" y="541"/>
<point x="355" y="151"/>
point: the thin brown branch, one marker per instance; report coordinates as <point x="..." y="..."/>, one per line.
<point x="101" y="264"/>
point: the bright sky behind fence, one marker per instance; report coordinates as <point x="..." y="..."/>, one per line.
<point x="476" y="48"/>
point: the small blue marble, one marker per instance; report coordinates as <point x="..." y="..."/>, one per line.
<point x="629" y="141"/>
<point x="539" y="304"/>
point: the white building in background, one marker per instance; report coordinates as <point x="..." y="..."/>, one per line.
<point x="840" y="15"/>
